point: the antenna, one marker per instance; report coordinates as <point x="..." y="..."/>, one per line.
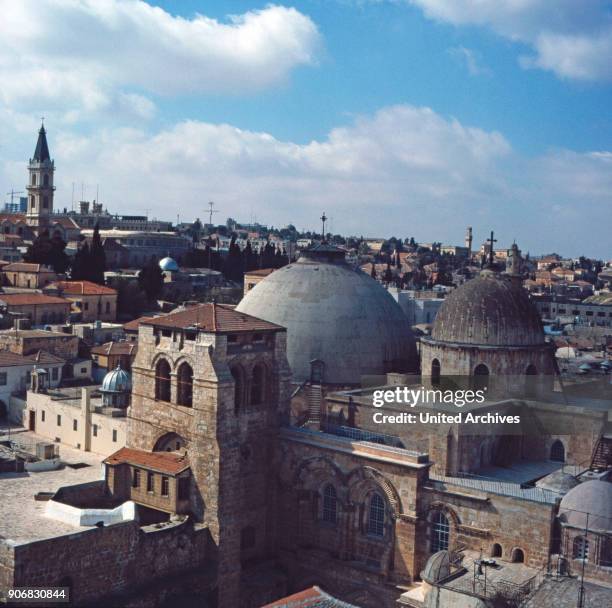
<point x="211" y="210"/>
<point x="13" y="193"/>
<point x="323" y="219"/>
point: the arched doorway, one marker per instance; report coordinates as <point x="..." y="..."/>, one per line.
<point x="557" y="451"/>
<point x="481" y="376"/>
<point x="436" y="371"/>
<point x="518" y="556"/>
<point x="496" y="550"/>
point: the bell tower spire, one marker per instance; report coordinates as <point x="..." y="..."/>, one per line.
<point x="40" y="184"/>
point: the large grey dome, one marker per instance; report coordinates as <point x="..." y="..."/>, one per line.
<point x="336" y="314"/>
<point x="490" y="310"/>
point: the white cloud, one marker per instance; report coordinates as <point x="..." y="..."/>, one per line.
<point x="572" y="39"/>
<point x="93" y="56"/>
<point x="405" y="170"/>
<point x="470" y="59"/>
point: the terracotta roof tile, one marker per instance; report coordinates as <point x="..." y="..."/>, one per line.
<point x="162" y="462"/>
<point x="82" y="288"/>
<point x="217" y="318"/>
<point x="24" y="299"/>
<point x="309" y="598"/>
<point x="133" y="325"/>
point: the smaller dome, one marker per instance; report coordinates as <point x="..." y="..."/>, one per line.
<point x="117" y="381"/>
<point x="437" y="567"/>
<point x="593" y="497"/>
<point x="168" y="264"/>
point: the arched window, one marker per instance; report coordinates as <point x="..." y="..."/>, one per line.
<point x="496" y="550"/>
<point x="170" y="442"/>
<point x="435" y="371"/>
<point x="581" y="548"/>
<point x="440" y="532"/>
<point x="162" y="380"/>
<point x="557" y="451"/>
<point x="238" y="377"/>
<point x="185" y="385"/>
<point x="46" y="179"/>
<point x="257" y="384"/>
<point x="330" y="504"/>
<point x="33" y="179"/>
<point x="518" y="557"/>
<point x="376" y="516"/>
<point x="481" y="376"/>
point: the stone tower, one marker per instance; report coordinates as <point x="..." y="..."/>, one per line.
<point x="468" y="241"/>
<point x="215" y="383"/>
<point x="40" y="184"/>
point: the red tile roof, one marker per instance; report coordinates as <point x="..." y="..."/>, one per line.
<point x="309" y="598"/>
<point x="217" y="318"/>
<point x="82" y="288"/>
<point x="42" y="357"/>
<point x="263" y="272"/>
<point x="133" y="325"/>
<point x="24" y="299"/>
<point x="162" y="462"/>
<point x="115" y="348"/>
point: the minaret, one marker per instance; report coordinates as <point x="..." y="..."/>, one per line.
<point x="40" y="184"/>
<point x="468" y="242"/>
<point x="513" y="265"/>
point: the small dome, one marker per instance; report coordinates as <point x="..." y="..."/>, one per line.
<point x="558" y="482"/>
<point x="168" y="264"/>
<point x="593" y="497"/>
<point x="490" y="310"/>
<point x="437" y="567"/>
<point x="117" y="381"/>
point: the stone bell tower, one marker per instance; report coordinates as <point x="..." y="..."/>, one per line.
<point x="40" y="184"/>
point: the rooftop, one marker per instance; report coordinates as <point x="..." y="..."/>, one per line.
<point x="115" y="348"/>
<point x="135" y="323"/>
<point x="261" y="272"/>
<point x="85" y="288"/>
<point x="309" y="598"/>
<point x="23" y="518"/>
<point x="28" y="299"/>
<point x="163" y="462"/>
<point x="26" y="267"/>
<point x="217" y="318"/>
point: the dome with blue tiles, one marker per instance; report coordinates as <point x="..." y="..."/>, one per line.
<point x="117" y="381"/>
<point x="168" y="265"/>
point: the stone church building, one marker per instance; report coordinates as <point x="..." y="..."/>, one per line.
<point x="260" y="494"/>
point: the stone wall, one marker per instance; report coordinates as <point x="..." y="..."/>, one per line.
<point x="109" y="562"/>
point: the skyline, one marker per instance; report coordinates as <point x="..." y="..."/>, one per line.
<point x="391" y="116"/>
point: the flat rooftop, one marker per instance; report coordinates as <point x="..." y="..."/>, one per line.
<point x="23" y="519"/>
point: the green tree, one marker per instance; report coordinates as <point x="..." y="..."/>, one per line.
<point x="151" y="279"/>
<point x="48" y="251"/>
<point x="80" y="264"/>
<point x="97" y="258"/>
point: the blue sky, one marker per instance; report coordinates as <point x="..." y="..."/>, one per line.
<point x="404" y="117"/>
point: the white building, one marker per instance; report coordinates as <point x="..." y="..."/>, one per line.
<point x="416" y="307"/>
